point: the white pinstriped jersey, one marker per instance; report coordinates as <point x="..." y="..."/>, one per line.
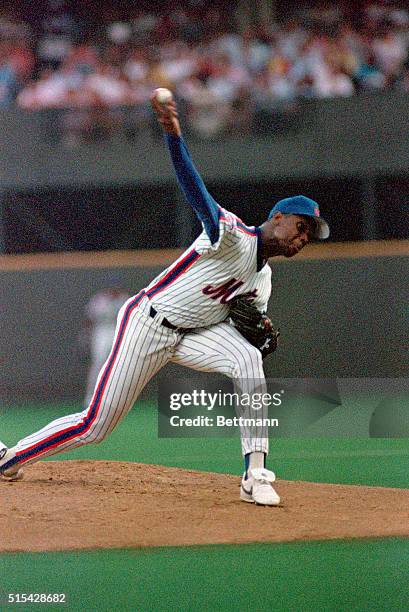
<point x="195" y="290"/>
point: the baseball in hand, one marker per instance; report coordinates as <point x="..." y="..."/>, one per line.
<point x="163" y="95"/>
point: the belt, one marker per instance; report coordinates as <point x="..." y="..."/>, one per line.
<point x="153" y="312"/>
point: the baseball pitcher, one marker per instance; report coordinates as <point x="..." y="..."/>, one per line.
<point x="205" y="311"/>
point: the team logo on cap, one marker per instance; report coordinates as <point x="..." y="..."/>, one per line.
<point x="316" y="211"/>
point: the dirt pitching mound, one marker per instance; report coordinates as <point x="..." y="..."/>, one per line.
<point x="63" y="505"/>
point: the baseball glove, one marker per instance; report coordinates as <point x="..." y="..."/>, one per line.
<point x="255" y="326"/>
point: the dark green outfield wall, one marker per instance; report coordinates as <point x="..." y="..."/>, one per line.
<point x="343" y="317"/>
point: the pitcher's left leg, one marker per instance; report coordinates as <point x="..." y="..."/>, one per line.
<point x="222" y="349"/>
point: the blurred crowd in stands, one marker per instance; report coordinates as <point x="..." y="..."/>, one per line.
<point x="220" y="69"/>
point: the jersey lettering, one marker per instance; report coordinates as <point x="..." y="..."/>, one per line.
<point x="223" y="292"/>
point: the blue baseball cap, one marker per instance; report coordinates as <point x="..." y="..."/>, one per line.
<point x="301" y="205"/>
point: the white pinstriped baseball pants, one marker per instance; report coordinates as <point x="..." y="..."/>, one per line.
<point x="142" y="346"/>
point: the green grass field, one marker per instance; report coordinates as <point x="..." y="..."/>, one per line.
<point x="367" y="575"/>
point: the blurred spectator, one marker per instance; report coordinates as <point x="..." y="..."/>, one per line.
<point x="22" y="60"/>
<point x="207" y="115"/>
<point x="227" y="79"/>
<point x="119" y="32"/>
<point x="12" y="28"/>
<point x="334" y="82"/>
<point x="107" y="86"/>
<point x="390" y="53"/>
<point x="59" y="33"/>
<point x="8" y="80"/>
<point x="177" y="62"/>
<point x="368" y="75"/>
<point x="136" y="67"/>
<point x="83" y="58"/>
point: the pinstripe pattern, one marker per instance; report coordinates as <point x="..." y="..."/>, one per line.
<point x="222" y="349"/>
<point x="192" y="293"/>
<point x="233" y="256"/>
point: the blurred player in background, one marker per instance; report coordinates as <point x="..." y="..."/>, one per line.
<point x="98" y="331"/>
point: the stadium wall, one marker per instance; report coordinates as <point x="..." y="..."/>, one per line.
<point x="342" y="312"/>
<point x="358" y="136"/>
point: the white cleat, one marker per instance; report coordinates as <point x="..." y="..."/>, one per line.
<point x="14" y="472"/>
<point x="257" y="488"/>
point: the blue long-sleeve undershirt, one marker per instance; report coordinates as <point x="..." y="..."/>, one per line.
<point x="192" y="185"/>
